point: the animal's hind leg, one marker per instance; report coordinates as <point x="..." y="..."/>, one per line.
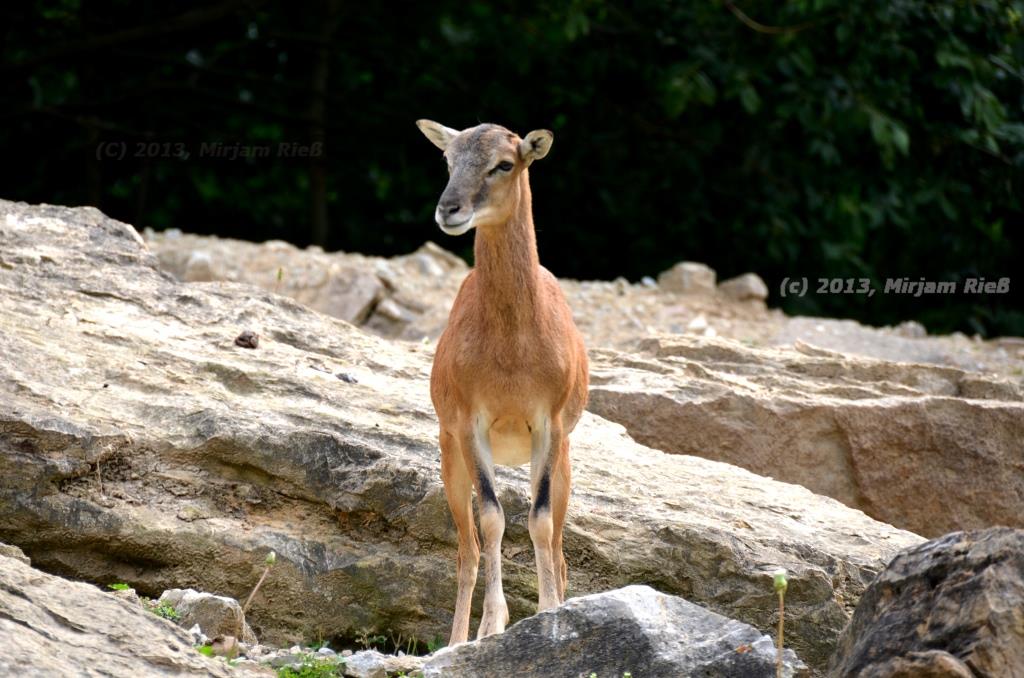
<point x="475" y="439"/>
<point x="546" y="437"/>
<point x="458" y="488"/>
<point x="561" y="487"/>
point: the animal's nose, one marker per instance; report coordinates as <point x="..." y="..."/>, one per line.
<point x="448" y="208"/>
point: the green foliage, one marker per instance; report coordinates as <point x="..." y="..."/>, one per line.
<point x="369" y="640"/>
<point x="880" y="138"/>
<point x="205" y="650"/>
<point x="119" y="587"/>
<point x="163" y="610"/>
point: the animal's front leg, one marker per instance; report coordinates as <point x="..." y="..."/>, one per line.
<point x="458" y="488"/>
<point x="492" y="529"/>
<point x="545" y="442"/>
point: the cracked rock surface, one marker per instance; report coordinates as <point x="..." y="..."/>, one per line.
<point x="139" y="444"/>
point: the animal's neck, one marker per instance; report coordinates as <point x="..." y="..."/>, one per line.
<point x="506" y="262"/>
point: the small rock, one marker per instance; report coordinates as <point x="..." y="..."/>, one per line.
<point x="191" y="513"/>
<point x="910" y="329"/>
<point x="247" y="339"/>
<point x="688" y="277"/>
<point x="326" y="651"/>
<point x="648" y="282"/>
<point x="347" y="378"/>
<point x="252" y="650"/>
<point x="428" y="265"/>
<point x="215" y="615"/>
<point x="287" y="659"/>
<point x="698" y="324"/>
<point x="197" y="635"/>
<point x="127" y="595"/>
<point x="373" y="664"/>
<point x="442" y="255"/>
<point x="199" y="267"/>
<point x="385" y="273"/>
<point x="247" y="664"/>
<point x="392" y="311"/>
<point x="14" y="552"/>
<point x="225" y="646"/>
<point x="746" y="287"/>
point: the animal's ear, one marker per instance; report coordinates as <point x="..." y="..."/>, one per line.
<point x="536" y="145"/>
<point x="438" y="134"/>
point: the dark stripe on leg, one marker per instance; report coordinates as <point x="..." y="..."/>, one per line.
<point x="487" y="495"/>
<point x="543" y="500"/>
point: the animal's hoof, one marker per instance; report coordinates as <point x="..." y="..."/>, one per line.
<point x="494" y="620"/>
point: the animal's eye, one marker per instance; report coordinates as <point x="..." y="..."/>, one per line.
<point x="503" y="166"/>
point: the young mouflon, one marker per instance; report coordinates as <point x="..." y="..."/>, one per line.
<point x="509" y="380"/>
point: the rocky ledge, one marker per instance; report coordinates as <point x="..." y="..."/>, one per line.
<point x="928" y="448"/>
<point x="140" y="443"/>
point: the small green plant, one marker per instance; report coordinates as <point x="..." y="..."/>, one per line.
<point x="400" y="642"/>
<point x="312" y="667"/>
<point x="164" y="610"/>
<point x="780" y="584"/>
<point x="268" y="563"/>
<point x="369" y="641"/>
<point x="434" y="645"/>
<point x="120" y="586"/>
<point x="205" y="650"/>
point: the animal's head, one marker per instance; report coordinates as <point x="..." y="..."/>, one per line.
<point x="485" y="166"/>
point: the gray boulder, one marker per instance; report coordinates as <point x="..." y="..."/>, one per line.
<point x="53" y="627"/>
<point x="215" y="615"/>
<point x="634" y="629"/>
<point x="949" y="608"/>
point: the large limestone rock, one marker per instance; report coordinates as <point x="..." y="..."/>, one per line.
<point x="409" y="297"/>
<point x="634" y="629"/>
<point x="929" y="449"/>
<point x="949" y="608"/>
<point x="402" y="297"/>
<point x="53" y="627"/>
<point x="139" y="444"/>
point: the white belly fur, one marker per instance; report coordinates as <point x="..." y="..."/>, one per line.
<point x="510" y="442"/>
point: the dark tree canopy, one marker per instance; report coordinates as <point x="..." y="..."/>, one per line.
<point x="877" y="139"/>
